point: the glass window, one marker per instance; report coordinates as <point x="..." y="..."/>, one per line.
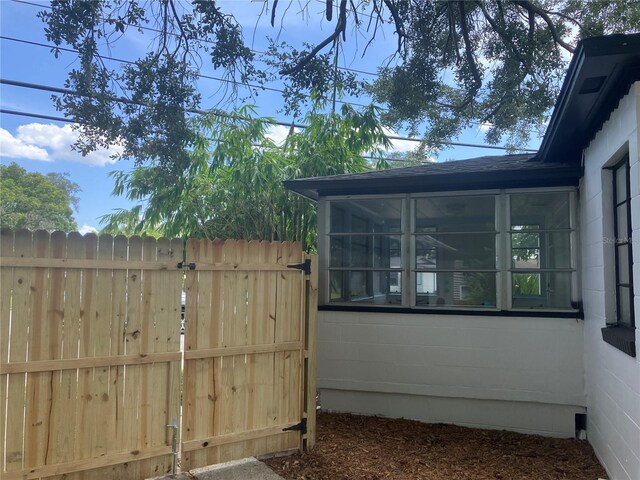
<point x="541" y="268"/>
<point x="366" y="216"/>
<point x="623" y="245"/>
<point x="365" y="261"/>
<point x="541" y="290"/>
<point x="455" y="250"/>
<point x="456" y="214"/>
<point x="546" y="211"/>
<point x="456" y="289"/>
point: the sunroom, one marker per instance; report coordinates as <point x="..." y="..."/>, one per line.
<point x="455" y="237"/>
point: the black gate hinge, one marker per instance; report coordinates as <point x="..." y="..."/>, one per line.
<point x="300" y="427"/>
<point x="184" y="266"/>
<point x="305" y="267"/>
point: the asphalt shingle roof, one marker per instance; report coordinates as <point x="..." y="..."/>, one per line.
<point x="503" y="171"/>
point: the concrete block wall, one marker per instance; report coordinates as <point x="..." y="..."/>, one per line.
<point x="612" y="377"/>
<point x="522" y="374"/>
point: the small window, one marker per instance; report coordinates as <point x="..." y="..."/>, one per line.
<point x="541" y="267"/>
<point x="365" y="262"/>
<point x="620" y="331"/>
<point x="455" y="251"/>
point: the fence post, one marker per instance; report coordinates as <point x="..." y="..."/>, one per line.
<point x="311" y="328"/>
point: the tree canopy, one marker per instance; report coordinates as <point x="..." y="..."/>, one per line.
<point x="35" y="201"/>
<point x="497" y="62"/>
<point x="233" y="185"/>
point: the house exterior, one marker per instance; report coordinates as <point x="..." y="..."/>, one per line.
<point x="497" y="292"/>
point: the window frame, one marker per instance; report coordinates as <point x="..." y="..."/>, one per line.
<point x="408" y="253"/>
<point x="618" y="333"/>
<point x="544" y="270"/>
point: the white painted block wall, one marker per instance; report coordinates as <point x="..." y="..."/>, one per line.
<point x="522" y="374"/>
<point x="612" y="377"/>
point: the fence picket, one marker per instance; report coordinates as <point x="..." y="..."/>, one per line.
<point x="19" y="344"/>
<point x="6" y="287"/>
<point x="56" y="437"/>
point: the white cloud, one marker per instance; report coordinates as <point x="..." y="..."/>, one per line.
<point x="400" y="145"/>
<point x="84" y="229"/>
<point x="13" y="147"/>
<point x="48" y="142"/>
<point x="278" y="133"/>
<point x="484" y="126"/>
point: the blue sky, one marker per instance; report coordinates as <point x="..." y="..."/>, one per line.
<point x="44" y="145"/>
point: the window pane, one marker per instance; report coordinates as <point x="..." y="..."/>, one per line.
<point x="623" y="264"/>
<point x="337" y="284"/>
<point x="526" y="285"/>
<point x="338" y="249"/>
<point x="624" y="306"/>
<point x="621" y="183"/>
<point x="556" y="251"/>
<point x="456" y="289"/>
<point x="525" y="247"/>
<point x="541" y="290"/>
<point x="623" y="223"/>
<point x="456" y="251"/>
<point x="525" y="258"/>
<point x="375" y="287"/>
<point x="544" y="210"/>
<point x="365" y="251"/>
<point x="455" y="214"/>
<point x="338" y="223"/>
<point x="541" y="250"/>
<point x="366" y="216"/>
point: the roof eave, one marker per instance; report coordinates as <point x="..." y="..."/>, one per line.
<point x="546" y="177"/>
<point x="615" y="60"/>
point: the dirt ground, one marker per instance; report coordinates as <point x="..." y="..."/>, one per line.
<point x="357" y="447"/>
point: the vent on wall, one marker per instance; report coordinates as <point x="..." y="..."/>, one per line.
<point x="592" y="85"/>
<point x="581" y="426"/>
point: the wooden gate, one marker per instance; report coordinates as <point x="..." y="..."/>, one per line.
<point x="90" y="358"/>
<point x="246" y="351"/>
<point x="90" y="354"/>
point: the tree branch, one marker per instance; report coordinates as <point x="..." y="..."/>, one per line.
<point x="182" y="33"/>
<point x="273" y="12"/>
<point x="530" y="7"/>
<point x="397" y="21"/>
<point x="505" y="38"/>
<point x="467" y="48"/>
<point x="340" y="28"/>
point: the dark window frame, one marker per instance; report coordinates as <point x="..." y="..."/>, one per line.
<point x="619" y="333"/>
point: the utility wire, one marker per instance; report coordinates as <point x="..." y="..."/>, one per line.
<point x="129" y="62"/>
<point x="68" y="120"/>
<point x="66" y="91"/>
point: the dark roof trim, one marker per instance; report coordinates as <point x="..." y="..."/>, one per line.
<point x="600" y="74"/>
<point x="371" y="184"/>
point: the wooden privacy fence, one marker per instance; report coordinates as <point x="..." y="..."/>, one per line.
<point x="90" y="356"/>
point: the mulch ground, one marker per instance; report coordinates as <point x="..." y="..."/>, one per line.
<point x="358" y="447"/>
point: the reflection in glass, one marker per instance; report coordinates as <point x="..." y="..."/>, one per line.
<point x="459" y="289"/>
<point x="541" y="290"/>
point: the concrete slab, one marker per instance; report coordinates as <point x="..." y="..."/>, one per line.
<point x="245" y="469"/>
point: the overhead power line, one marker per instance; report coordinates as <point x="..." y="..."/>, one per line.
<point x="157" y="30"/>
<point x="68" y="120"/>
<point x="199" y="75"/>
<point x="66" y="91"/>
